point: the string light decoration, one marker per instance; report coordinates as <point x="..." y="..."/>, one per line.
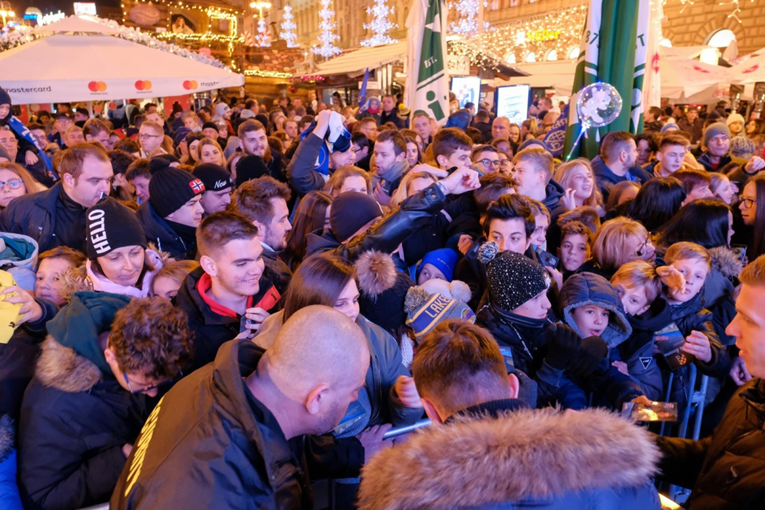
<point x="289" y="28"/>
<point x="235" y="13"/>
<point x="327" y="37"/>
<point x="558" y="30"/>
<point x="380" y="24"/>
<point x="468" y="23"/>
<point x="736" y="9"/>
<point x="267" y="74"/>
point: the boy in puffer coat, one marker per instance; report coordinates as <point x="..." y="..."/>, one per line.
<point x="592" y="308"/>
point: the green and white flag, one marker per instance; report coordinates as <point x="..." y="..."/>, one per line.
<point x="612" y="50"/>
<point x="427" y="83"/>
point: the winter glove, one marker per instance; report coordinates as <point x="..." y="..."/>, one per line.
<point x="591" y="352"/>
<point x="562" y="346"/>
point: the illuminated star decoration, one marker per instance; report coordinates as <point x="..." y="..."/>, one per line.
<point x="327" y="37"/>
<point x="288" y="28"/>
<point x="468" y="23"/>
<point x="380" y="24"/>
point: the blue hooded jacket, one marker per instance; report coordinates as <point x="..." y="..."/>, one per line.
<point x="590" y="289"/>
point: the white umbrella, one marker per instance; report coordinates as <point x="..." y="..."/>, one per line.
<point x="63" y="68"/>
<point x="77" y="24"/>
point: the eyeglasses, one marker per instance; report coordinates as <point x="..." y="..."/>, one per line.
<point x="12" y="184"/>
<point x="144" y="136"/>
<point x="487" y="162"/>
<point x="161" y="386"/>
<point x="748" y="202"/>
<point x="644" y="247"/>
<point x="5" y="141"/>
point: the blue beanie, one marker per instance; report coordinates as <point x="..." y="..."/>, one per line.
<point x="669" y="126"/>
<point x="444" y="260"/>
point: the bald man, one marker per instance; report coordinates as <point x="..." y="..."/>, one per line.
<point x="230" y="435"/>
<point x="500" y="128"/>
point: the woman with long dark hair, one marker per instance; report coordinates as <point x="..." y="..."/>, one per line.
<point x="707" y="222"/>
<point x="752" y="201"/>
<point x="329" y="280"/>
<point x="312" y="215"/>
<point x="657" y="202"/>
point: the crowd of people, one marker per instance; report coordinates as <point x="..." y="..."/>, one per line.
<point x="217" y="307"/>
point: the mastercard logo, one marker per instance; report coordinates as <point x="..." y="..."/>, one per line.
<point x="143" y="85"/>
<point x="97" y="86"/>
<point x="190" y="84"/>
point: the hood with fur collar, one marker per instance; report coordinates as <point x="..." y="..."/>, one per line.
<point x="60" y="367"/>
<point x="522" y="455"/>
<point x="726" y="261"/>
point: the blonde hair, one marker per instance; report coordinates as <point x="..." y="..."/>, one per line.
<point x="687" y="251"/>
<point x="537" y="156"/>
<point x="611" y="239"/>
<point x="176" y="271"/>
<point x="210" y="141"/>
<point x="403" y="190"/>
<point x="563" y="177"/>
<point x="638" y="273"/>
<point x="30" y="184"/>
<point x="338" y="178"/>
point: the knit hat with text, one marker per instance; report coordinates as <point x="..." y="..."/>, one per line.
<point x="111" y="225"/>
<point x="170" y="188"/>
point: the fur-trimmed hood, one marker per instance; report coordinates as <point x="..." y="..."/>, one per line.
<point x="62" y="368"/>
<point x="726" y="261"/>
<point x="523" y="455"/>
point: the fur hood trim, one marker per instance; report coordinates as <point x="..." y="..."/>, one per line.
<point x="376" y="272"/>
<point x="726" y="261"/>
<point x="61" y="368"/>
<point x="521" y="455"/>
<point x="6" y="436"/>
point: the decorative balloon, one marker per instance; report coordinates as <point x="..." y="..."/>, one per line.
<point x="597" y="105"/>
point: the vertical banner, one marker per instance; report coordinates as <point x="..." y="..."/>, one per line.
<point x="427" y="83"/>
<point x="613" y="51"/>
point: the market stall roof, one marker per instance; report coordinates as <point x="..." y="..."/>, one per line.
<point x="77" y="24"/>
<point x="353" y="63"/>
<point x="63" y="68"/>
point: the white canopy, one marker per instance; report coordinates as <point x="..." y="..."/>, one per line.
<point x="683" y="79"/>
<point x="63" y="68"/>
<point x="355" y="62"/>
<point x="82" y="24"/>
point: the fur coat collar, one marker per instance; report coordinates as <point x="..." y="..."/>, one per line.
<point x="61" y="368"/>
<point x="521" y="455"/>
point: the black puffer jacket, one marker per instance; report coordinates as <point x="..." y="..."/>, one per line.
<point x="74" y="423"/>
<point x="725" y="470"/>
<point x="210" y="444"/>
<point x="413" y="214"/>
<point x="35" y="216"/>
<point x="159" y="233"/>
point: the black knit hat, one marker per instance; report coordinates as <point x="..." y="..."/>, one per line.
<point x="210" y="125"/>
<point x="170" y="188"/>
<point x="111" y="225"/>
<point x="214" y="177"/>
<point x="351" y="211"/>
<point x="513" y="278"/>
<point x="382" y="290"/>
